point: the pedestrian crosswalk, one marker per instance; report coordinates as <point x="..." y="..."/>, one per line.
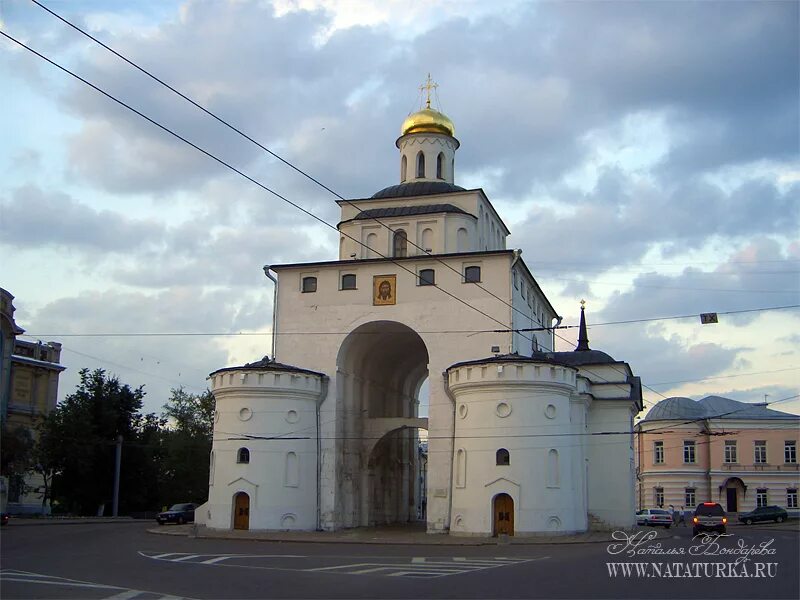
<point x="88" y="590"/>
<point x="425" y="567"/>
<point x="422" y="567"/>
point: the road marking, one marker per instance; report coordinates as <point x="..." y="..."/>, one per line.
<point x="338" y="567"/>
<point x="420" y="566"/>
<point x="417" y="566"/>
<point x="214" y="560"/>
<point x="124" y="595"/>
<point x="9" y="575"/>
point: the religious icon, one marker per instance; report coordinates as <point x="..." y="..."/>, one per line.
<point x="384" y="289"/>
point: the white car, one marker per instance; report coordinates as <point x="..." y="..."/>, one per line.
<point x="654" y="517"/>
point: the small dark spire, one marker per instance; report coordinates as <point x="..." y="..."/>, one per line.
<point x="583" y="338"/>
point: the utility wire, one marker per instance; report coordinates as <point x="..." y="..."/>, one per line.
<point x="290" y="165"/>
<point x="249" y="178"/>
<point x="437" y="332"/>
<point x="526" y="315"/>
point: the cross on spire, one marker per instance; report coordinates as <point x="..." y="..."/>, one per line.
<point x="428" y="86"/>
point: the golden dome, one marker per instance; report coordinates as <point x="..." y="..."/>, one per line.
<point x="428" y="120"/>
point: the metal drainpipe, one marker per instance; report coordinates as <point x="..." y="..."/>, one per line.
<point x="323" y="393"/>
<point x="707" y="427"/>
<point x="517" y="254"/>
<point x="274" y="306"/>
<point x="453" y="450"/>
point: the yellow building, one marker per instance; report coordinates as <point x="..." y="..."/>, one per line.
<point x="717" y="450"/>
<point x="29" y="387"/>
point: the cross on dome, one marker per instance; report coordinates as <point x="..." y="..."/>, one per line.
<point x="428" y="86"/>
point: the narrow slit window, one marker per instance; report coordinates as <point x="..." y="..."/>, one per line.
<point x="400" y="243"/>
<point x="440" y="166"/>
<point x="403" y="168"/>
<point x="420" y="165"/>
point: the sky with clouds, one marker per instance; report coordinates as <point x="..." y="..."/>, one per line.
<point x="643" y="154"/>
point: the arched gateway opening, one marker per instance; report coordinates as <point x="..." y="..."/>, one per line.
<point x="380" y="368"/>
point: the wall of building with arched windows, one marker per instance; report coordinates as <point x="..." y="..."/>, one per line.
<point x="517" y="425"/>
<point x="265" y="446"/>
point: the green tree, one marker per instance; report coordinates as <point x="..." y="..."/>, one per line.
<point x="16" y="454"/>
<point x="79" y="437"/>
<point x="187" y="443"/>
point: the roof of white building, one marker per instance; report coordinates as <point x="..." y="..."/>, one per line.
<point x="417" y="188"/>
<point x="267" y="364"/>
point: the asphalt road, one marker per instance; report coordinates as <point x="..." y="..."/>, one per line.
<point x="124" y="562"/>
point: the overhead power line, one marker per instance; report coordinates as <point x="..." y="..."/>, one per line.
<point x="245" y="175"/>
<point x="437" y="332"/>
<point x="229" y="166"/>
<point x="290" y="165"/>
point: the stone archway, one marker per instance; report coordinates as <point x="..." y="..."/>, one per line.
<point x="380" y="368"/>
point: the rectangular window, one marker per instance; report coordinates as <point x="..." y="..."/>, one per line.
<point x="427" y="277"/>
<point x="760" y="452"/>
<point x="791" y="498"/>
<point x="658" y="453"/>
<point x="309" y="285"/>
<point x="658" y="497"/>
<point x="690" y="497"/>
<point x="689" y="456"/>
<point x="761" y="497"/>
<point x="472" y="275"/>
<point x="348" y="282"/>
<point x="730" y="451"/>
<point x="790" y="451"/>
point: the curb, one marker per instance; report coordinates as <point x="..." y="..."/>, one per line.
<point x="388" y="541"/>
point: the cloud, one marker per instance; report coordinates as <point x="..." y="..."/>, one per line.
<point x="545" y="78"/>
<point x="159" y="362"/>
<point x="760" y="275"/>
<point x="223" y="257"/>
<point x="32" y="218"/>
<point x="623" y="217"/>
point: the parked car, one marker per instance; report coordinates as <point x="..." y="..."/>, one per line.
<point x="3" y="518"/>
<point x="177" y="513"/>
<point x="709" y="516"/>
<point x="654" y="517"/>
<point x="764" y="513"/>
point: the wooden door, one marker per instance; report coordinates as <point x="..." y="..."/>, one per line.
<point x="241" y="511"/>
<point x="503" y="515"/>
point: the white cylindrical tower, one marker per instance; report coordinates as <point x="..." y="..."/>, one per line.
<point x="265" y="451"/>
<point x="518" y="455"/>
<point x="427" y="147"/>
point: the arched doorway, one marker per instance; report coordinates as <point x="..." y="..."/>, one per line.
<point x="732" y="491"/>
<point x="241" y="511"/>
<point x="503" y="515"/>
<point x="381" y="367"/>
<point x="397" y="470"/>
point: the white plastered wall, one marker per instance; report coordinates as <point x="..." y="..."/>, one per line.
<point x="527" y="409"/>
<point x="269" y="405"/>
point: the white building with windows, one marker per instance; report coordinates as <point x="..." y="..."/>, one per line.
<point x="325" y="434"/>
